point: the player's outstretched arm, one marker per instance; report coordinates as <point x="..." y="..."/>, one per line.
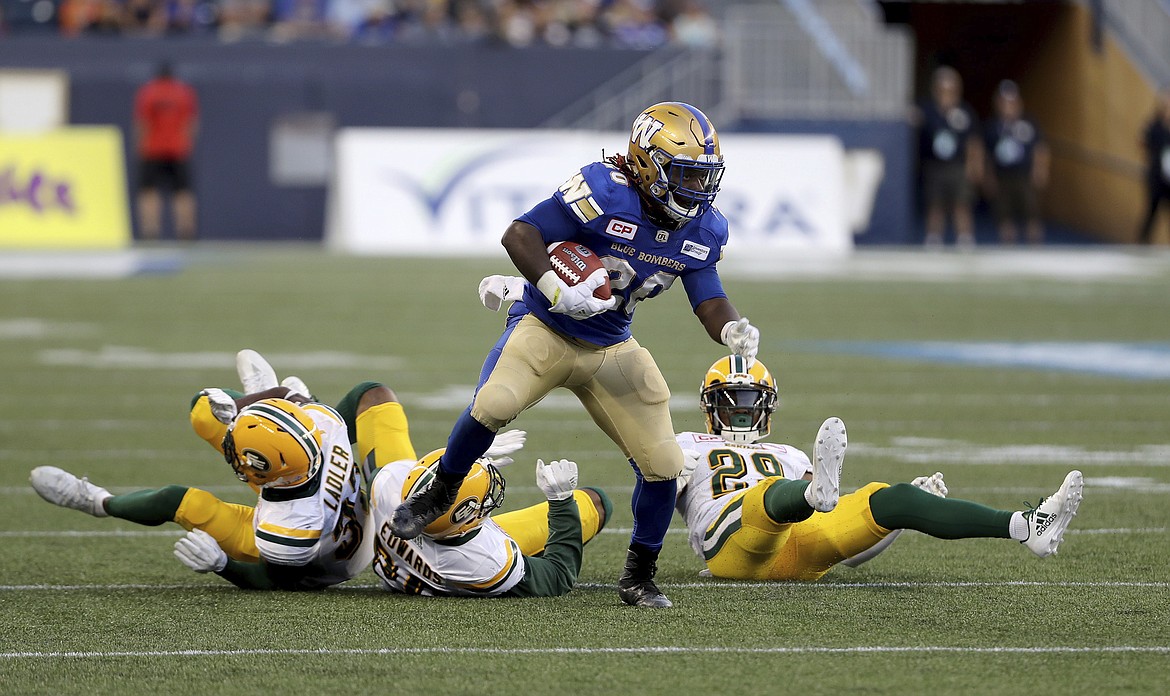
<point x="555" y="573"/>
<point x="724" y="325"/>
<point x="199" y="551"/>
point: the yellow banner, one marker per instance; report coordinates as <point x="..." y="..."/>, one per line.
<point x="64" y="189"/>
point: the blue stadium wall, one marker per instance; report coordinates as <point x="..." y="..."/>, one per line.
<point x="244" y="87"/>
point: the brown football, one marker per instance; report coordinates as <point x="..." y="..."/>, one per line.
<point x="574" y="263"/>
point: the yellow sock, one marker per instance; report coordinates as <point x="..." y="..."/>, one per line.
<point x="383" y="431"/>
<point x="228" y="523"/>
<point x="529" y="526"/>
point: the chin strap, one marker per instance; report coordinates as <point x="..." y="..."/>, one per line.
<point x="655" y="209"/>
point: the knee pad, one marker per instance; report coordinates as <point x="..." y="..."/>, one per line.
<point x="664" y="463"/>
<point x="495" y="406"/>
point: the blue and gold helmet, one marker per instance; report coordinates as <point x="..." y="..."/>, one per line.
<point x="674" y="152"/>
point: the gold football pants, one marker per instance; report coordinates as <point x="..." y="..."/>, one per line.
<point x="620" y="386"/>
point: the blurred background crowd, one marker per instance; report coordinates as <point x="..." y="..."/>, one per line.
<point x="643" y="24"/>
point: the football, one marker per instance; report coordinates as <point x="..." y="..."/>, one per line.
<point x="574" y="263"/>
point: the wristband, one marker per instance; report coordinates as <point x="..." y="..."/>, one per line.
<point x="726" y="328"/>
<point x="549" y="285"/>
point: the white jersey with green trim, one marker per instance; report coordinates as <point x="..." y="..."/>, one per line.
<point x="484" y="562"/>
<point x="321" y="524"/>
<point x="726" y="468"/>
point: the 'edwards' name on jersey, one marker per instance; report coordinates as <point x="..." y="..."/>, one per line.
<point x="481" y="563"/>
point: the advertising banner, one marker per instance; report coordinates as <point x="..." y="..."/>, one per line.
<point x="433" y="192"/>
<point x="63" y="189"/>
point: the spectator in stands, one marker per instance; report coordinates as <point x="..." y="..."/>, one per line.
<point x="191" y="17"/>
<point x="693" y="26"/>
<point x="244" y="19"/>
<point x="144" y="18"/>
<point x="1018" y="171"/>
<point x="166" y="118"/>
<point x="1156" y="143"/>
<point x="635" y="24"/>
<point x="951" y="158"/>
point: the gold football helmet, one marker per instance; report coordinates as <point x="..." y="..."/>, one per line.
<point x="481" y="492"/>
<point x="273" y="443"/>
<point x="738" y="400"/>
<point x="674" y="151"/>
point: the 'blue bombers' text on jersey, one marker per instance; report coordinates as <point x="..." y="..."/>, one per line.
<point x="599" y="208"/>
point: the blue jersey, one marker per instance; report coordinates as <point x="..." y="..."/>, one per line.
<point x="598" y="207"/>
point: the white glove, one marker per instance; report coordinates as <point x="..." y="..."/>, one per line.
<point x="223" y="406"/>
<point x="556" y="479"/>
<point x="200" y="552"/>
<point x="575" y="300"/>
<point x="506" y="443"/>
<point x="742" y="338"/>
<point x="495" y="290"/>
<point x="931" y="484"/>
<point x="691" y="460"/>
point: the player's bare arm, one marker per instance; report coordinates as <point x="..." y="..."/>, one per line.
<point x="526" y="248"/>
<point x="714" y="315"/>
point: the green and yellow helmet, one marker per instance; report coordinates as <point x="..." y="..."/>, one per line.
<point x="674" y="152"/>
<point x="273" y="443"/>
<point x="481" y="492"/>
<point x="738" y="400"/>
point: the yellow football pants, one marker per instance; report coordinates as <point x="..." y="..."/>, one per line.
<point x="229" y="524"/>
<point x="762" y="549"/>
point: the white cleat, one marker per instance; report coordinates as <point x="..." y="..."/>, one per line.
<point x="1048" y="520"/>
<point x="932" y="484"/>
<point x="256" y="375"/>
<point x="828" y="456"/>
<point x="60" y="487"/>
<point x="296" y="385"/>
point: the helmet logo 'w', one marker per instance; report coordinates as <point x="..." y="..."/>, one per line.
<point x="645" y="128"/>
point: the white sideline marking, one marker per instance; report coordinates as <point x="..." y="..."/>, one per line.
<point x="647" y="649"/>
<point x="127" y="357"/>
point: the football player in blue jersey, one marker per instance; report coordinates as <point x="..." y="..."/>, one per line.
<point x="649" y="216"/>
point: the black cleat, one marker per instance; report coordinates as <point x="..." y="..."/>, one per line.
<point x="416" y="512"/>
<point x="636" y="585"/>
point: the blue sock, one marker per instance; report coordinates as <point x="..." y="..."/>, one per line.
<point x="653" y="506"/>
<point x="468" y="441"/>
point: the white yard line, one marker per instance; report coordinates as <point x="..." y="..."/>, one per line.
<point x="633" y="650"/>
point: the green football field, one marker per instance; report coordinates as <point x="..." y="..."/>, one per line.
<point x="1003" y="371"/>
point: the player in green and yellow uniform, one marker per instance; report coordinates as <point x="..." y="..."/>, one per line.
<point x="308" y="528"/>
<point x="764" y="511"/>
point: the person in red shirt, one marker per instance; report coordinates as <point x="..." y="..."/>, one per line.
<point x="166" y="118"/>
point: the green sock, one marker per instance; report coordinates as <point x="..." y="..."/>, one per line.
<point x="150" y="507"/>
<point x="903" y="506"/>
<point x="784" y="501"/>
